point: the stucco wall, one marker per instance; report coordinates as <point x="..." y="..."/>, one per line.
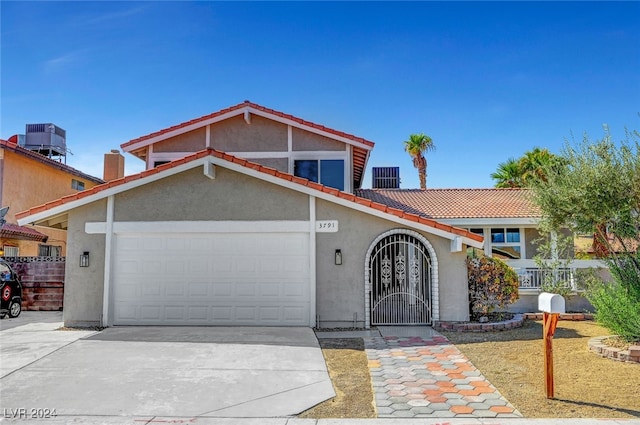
<point x="84" y="285"/>
<point x="232" y="196"/>
<point x="192" y="141"/>
<point x="26" y="183"/>
<point x="341" y="289"/>
<point x="262" y="135"/>
<point x="280" y="164"/>
<point x="193" y="196"/>
<point x="306" y="141"/>
<point x="528" y="303"/>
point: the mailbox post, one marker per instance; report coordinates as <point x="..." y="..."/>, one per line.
<point x="551" y="306"/>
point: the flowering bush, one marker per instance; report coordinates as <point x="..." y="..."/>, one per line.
<point x="492" y="284"/>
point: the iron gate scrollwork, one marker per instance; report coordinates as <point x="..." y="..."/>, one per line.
<point x="400" y="279"/>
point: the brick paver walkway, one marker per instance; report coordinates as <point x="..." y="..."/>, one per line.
<point x="427" y="376"/>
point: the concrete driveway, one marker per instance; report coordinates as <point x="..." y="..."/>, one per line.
<point x="146" y="372"/>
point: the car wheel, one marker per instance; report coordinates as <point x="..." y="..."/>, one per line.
<point x="15" y="309"/>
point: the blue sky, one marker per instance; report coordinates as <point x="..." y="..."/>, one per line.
<point x="486" y="80"/>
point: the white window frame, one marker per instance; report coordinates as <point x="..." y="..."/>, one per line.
<point x="323" y="155"/>
<point x="9" y="248"/>
<point x="488" y="246"/>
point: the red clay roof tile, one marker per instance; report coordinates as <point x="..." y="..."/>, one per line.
<point x="13" y="231"/>
<point x="457" y="203"/>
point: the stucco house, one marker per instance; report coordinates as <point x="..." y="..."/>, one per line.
<point x="253" y="222"/>
<point x="250" y="216"/>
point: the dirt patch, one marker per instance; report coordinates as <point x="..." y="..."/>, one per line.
<point x="617" y="342"/>
<point x="347" y="364"/>
<point x="586" y="385"/>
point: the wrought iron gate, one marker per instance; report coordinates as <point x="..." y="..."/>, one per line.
<point x="400" y="277"/>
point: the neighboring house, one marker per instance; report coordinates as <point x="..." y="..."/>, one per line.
<point x="506" y="218"/>
<point x="266" y="233"/>
<point x="28" y="178"/>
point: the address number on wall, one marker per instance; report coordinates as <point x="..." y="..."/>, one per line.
<point x="327" y="226"/>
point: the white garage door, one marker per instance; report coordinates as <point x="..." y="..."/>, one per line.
<point x="256" y="279"/>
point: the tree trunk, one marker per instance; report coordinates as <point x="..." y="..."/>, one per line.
<point x="600" y="242"/>
<point x="423" y="178"/>
<point x="420" y="163"/>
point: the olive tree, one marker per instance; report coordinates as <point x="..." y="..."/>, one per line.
<point x="595" y="189"/>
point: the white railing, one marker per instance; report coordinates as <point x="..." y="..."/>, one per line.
<point x="533" y="277"/>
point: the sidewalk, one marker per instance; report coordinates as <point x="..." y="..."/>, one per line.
<point x="122" y="420"/>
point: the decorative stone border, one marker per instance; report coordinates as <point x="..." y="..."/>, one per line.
<point x="564" y="316"/>
<point x="516" y="322"/>
<point x="598" y="346"/>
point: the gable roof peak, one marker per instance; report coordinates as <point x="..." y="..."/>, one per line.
<point x="185" y="126"/>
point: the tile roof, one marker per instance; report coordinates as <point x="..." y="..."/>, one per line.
<point x="255" y="106"/>
<point x="13" y="231"/>
<point x="409" y="216"/>
<point x="12" y="145"/>
<point x="457" y="203"/>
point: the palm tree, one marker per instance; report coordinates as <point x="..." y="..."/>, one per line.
<point x="416" y="146"/>
<point x="508" y="174"/>
<point x="525" y="171"/>
<point x="533" y="164"/>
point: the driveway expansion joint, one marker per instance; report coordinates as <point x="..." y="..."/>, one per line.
<point x="417" y="375"/>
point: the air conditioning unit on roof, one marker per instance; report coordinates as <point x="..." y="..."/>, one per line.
<point x="46" y="139"/>
<point x="386" y="177"/>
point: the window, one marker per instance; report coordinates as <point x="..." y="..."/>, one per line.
<point x="505" y="243"/>
<point x="329" y="172"/>
<point x="158" y="163"/>
<point x="77" y="184"/>
<point x="49" y="251"/>
<point x="11" y="251"/>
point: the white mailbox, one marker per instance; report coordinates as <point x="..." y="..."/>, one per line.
<point x="550" y="303"/>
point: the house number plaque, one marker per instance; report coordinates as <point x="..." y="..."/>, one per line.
<point x="326" y="226"/>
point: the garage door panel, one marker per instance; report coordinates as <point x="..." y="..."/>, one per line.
<point x="227" y="279"/>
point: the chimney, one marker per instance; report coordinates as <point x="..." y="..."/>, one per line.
<point x="113" y="165"/>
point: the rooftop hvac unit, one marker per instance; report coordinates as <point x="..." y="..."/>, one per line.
<point x="47" y="139"/>
<point x="386" y="177"/>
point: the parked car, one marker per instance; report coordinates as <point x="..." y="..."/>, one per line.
<point x="10" y="292"/>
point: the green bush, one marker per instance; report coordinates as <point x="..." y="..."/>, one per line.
<point x="492" y="285"/>
<point x="617" y="303"/>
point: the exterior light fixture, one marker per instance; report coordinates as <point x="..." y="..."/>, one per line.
<point x="84" y="259"/>
<point x="338" y="257"/>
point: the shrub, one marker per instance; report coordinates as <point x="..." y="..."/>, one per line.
<point x="617" y="303"/>
<point x="492" y="285"/>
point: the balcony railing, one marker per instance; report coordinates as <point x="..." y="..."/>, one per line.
<point x="533" y="277"/>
